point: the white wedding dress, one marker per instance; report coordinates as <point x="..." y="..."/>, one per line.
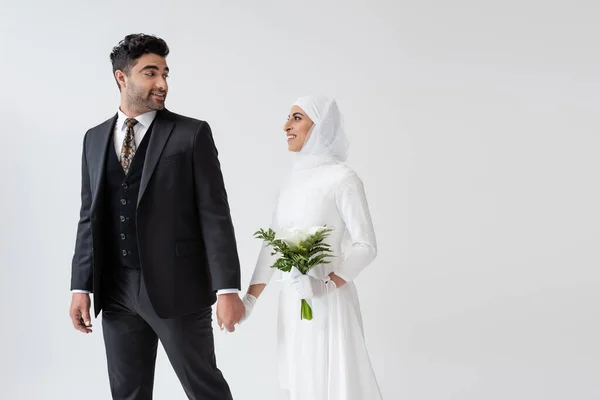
<point x="325" y="358"/>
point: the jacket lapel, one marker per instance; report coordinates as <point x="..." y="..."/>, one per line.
<point x="97" y="159"/>
<point x="163" y="126"/>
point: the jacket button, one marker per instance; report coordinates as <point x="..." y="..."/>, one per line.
<point x="124" y="253"/>
<point x="123" y="236"/>
<point x="123" y="201"/>
<point x="122" y="218"/>
<point x="124" y="186"/>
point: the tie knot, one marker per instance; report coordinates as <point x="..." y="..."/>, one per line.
<point x="130" y="122"/>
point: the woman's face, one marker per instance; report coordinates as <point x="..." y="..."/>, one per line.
<point x="296" y="128"/>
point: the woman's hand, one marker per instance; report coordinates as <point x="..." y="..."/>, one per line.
<point x="249" y="301"/>
<point x="309" y="287"/>
<point x="339" y="282"/>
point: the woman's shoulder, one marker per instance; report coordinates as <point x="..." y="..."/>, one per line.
<point x="344" y="176"/>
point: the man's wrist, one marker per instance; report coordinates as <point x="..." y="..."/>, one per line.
<point x="227" y="291"/>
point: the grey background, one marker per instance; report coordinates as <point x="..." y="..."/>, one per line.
<point x="473" y="125"/>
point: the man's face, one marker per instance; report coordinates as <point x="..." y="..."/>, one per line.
<point x="146" y="87"/>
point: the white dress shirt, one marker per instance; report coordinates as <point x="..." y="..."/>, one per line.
<point x="139" y="130"/>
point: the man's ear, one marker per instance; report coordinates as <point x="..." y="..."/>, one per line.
<point x="120" y="77"/>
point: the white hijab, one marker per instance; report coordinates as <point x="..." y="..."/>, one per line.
<point x="326" y="141"/>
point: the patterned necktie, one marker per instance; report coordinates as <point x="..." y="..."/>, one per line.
<point x="128" y="148"/>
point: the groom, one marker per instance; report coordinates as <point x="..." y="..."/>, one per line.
<point x="155" y="242"/>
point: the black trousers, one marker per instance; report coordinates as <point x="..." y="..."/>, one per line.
<point x="131" y="332"/>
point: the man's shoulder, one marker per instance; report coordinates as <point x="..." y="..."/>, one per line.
<point x="103" y="126"/>
<point x="97" y="130"/>
<point x="183" y="120"/>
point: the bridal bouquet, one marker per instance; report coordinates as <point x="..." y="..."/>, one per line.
<point x="298" y="248"/>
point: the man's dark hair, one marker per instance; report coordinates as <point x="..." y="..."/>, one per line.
<point x="132" y="47"/>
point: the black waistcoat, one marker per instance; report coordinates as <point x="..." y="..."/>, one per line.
<point x="121" y="196"/>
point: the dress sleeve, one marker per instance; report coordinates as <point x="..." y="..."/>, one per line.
<point x="263" y="271"/>
<point x="354" y="209"/>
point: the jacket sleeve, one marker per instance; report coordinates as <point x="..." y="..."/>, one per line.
<point x="82" y="265"/>
<point x="213" y="208"/>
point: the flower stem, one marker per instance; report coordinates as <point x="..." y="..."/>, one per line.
<point x="305" y="310"/>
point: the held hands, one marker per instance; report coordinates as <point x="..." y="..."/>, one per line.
<point x="230" y="310"/>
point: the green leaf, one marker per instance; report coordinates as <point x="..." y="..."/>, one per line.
<point x="283" y="264"/>
<point x="305" y="256"/>
<point x="319" y="249"/>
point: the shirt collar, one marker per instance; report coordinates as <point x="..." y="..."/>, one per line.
<point x="143" y="119"/>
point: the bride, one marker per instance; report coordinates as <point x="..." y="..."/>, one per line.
<point x="324" y="358"/>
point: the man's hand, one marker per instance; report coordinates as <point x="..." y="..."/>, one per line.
<point x="230" y="310"/>
<point x="80" y="312"/>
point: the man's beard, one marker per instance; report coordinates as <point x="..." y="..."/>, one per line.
<point x="142" y="101"/>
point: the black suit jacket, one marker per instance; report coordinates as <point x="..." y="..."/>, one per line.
<point x="185" y="234"/>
